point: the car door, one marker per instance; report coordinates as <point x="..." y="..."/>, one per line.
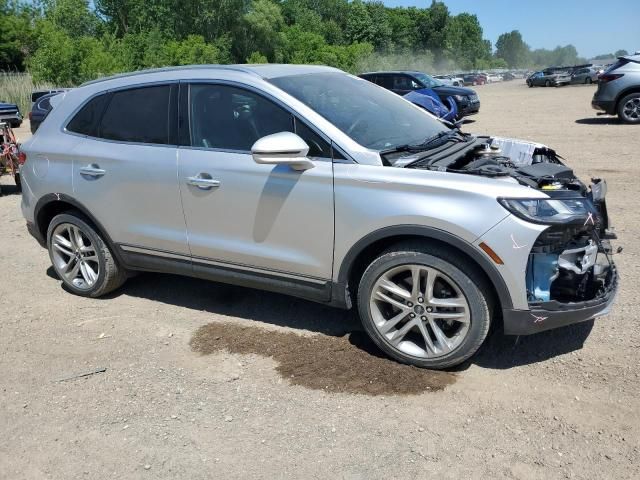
<point x="248" y="216"/>
<point x="125" y="168"/>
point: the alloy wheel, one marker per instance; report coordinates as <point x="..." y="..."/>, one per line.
<point x="631" y="109"/>
<point x="74" y="256"/>
<point x="420" y="311"/>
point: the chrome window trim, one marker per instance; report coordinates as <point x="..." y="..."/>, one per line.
<point x="157" y="83"/>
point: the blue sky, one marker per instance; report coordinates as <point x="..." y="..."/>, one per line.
<point x="592" y="26"/>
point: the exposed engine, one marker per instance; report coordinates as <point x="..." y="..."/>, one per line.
<point x="570" y="261"/>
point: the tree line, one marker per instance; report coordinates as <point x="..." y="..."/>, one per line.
<point x="67" y="42"/>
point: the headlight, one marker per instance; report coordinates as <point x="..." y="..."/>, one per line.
<point x="460" y="98"/>
<point x="549" y="211"/>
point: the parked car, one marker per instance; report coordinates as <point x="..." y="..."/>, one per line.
<point x="403" y="82"/>
<point x="548" y="78"/>
<point x="39" y="110"/>
<point x="315" y="183"/>
<point x="36" y="94"/>
<point x="473" y="79"/>
<point x="10" y="113"/>
<point x="584" y="75"/>
<point x="618" y="90"/>
<point x="450" y="80"/>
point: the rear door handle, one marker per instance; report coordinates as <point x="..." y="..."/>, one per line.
<point x="203" y="181"/>
<point x="92" y="171"/>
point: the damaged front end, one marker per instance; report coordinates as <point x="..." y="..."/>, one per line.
<point x="570" y="275"/>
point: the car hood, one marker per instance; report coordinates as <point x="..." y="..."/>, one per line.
<point x="447" y="90"/>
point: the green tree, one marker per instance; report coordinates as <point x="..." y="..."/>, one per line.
<point x="264" y="22"/>
<point x="360" y="26"/>
<point x="620" y="53"/>
<point x="463" y="41"/>
<point x="431" y="25"/>
<point x="16" y="34"/>
<point x="512" y="49"/>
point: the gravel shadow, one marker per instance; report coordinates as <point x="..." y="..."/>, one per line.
<point x="599" y="121"/>
<point x="505" y="351"/>
<point x="9" y="190"/>
<point x="342" y="330"/>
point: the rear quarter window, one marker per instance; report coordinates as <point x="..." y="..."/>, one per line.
<point x="85" y="122"/>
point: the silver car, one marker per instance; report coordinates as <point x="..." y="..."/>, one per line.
<point x="619" y="90"/>
<point x="312" y="182"/>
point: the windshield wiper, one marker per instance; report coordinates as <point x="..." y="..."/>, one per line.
<point x="434" y="141"/>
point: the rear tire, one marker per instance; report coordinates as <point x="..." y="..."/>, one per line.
<point x="629" y="108"/>
<point x="16" y="178"/>
<point x="438" y="324"/>
<point x="81" y="258"/>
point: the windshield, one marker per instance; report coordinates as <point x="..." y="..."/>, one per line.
<point x="428" y="80"/>
<point x="372" y="116"/>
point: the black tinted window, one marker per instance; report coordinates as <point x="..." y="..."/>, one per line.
<point x="86" y="120"/>
<point x="318" y="147"/>
<point x="138" y="115"/>
<point x="231" y="118"/>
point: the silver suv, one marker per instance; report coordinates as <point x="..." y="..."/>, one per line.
<point x="312" y="182"/>
<point x="619" y="90"/>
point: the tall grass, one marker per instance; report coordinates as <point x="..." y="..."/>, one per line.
<point x="16" y="88"/>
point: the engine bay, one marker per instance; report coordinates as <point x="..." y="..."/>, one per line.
<point x="571" y="261"/>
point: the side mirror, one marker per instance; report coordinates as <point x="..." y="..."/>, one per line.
<point x="284" y="148"/>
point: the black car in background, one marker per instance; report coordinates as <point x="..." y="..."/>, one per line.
<point x="10" y="113"/>
<point x="39" y="110"/>
<point x="403" y="82"/>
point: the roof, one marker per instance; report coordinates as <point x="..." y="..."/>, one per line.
<point x="632" y="58"/>
<point x="267" y="70"/>
<point x="412" y="72"/>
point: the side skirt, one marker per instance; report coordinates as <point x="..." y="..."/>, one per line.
<point x="142" y="259"/>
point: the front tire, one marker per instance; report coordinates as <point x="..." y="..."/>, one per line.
<point x="629" y="108"/>
<point x="81" y="258"/>
<point x="547" y="83"/>
<point x="424" y="306"/>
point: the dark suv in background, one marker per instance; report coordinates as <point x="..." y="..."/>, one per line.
<point x="403" y="82"/>
<point x="619" y="90"/>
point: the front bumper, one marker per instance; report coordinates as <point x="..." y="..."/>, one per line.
<point x="553" y="314"/>
<point x="469" y="108"/>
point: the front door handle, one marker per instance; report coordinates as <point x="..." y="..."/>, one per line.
<point x="203" y="181"/>
<point x="92" y="170"/>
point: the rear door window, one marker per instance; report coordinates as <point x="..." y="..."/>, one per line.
<point x="138" y="115"/>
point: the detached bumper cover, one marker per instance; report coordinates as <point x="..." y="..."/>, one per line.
<point x="549" y="315"/>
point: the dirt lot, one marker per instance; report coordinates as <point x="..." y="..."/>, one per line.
<point x="210" y="381"/>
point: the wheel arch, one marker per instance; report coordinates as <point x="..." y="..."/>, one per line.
<point x="367" y="248"/>
<point x="624" y="93"/>
<point x="54" y="204"/>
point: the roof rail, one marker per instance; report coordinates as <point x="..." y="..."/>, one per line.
<point x="237" y="68"/>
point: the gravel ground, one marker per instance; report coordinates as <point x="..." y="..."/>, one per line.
<point x="209" y="381"/>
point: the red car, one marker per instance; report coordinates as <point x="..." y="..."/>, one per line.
<point x="475" y="79"/>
